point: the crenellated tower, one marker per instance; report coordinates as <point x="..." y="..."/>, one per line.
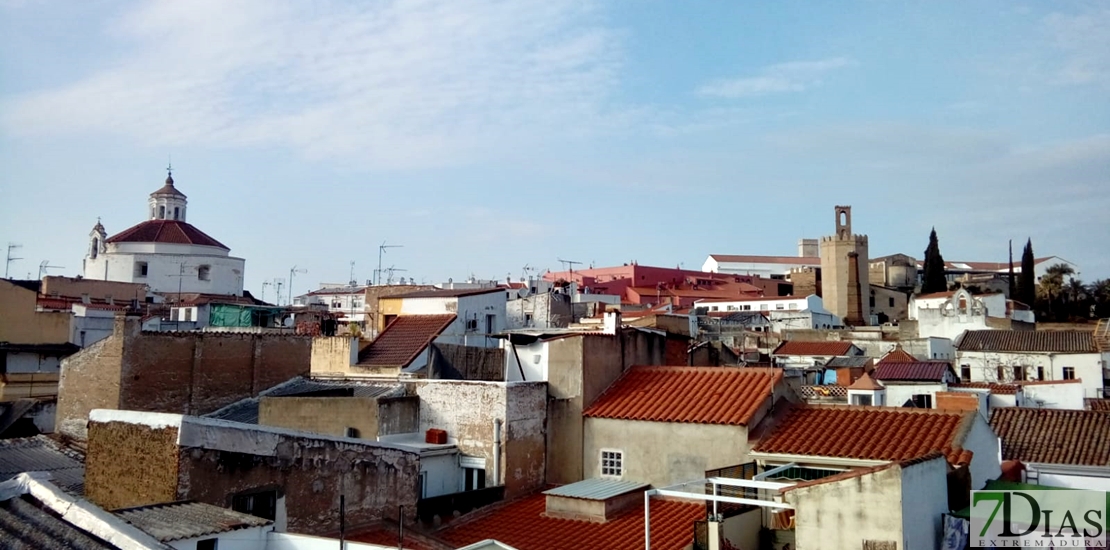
<point x="843" y="294"/>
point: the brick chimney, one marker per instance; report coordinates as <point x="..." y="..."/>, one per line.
<point x="854" y="294"/>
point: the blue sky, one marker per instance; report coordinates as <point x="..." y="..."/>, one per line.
<point x="487" y="135"/>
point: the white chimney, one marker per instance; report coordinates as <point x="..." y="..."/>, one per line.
<point x="611" y="322"/>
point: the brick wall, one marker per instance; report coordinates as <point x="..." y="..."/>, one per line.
<point x="73" y="287"/>
<point x="177" y="372"/>
<point x="130" y="465"/>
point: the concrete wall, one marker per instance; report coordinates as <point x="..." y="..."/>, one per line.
<point x="986" y="462"/>
<point x="333" y="354"/>
<point x="251" y="538"/>
<point x="467" y="411"/>
<point x="532" y="363"/>
<point x="841" y="515"/>
<point x="897" y="393"/>
<point x="1065" y="395"/>
<point x="21" y="324"/>
<point x="73" y="287"/>
<point x="924" y="499"/>
<point x="546" y="310"/>
<point x="322" y="415"/>
<point x="663" y="453"/>
<point x="467" y="363"/>
<point x="187" y="373"/>
<point x="164" y="267"/>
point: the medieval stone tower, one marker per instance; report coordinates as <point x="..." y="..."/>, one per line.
<point x="844" y="277"/>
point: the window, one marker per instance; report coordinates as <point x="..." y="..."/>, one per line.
<point x="891" y="301"/>
<point x="1069" y="373"/>
<point x="202" y="272"/>
<point x="861" y="399"/>
<point x="780" y="306"/>
<point x="747" y="308"/>
<point x="922" y="401"/>
<point x="207" y="544"/>
<point x="471" y="325"/>
<point x="528" y="319"/>
<point x="871" y="302"/>
<point x="140" y="269"/>
<point x="95" y="248"/>
<point x="188" y="314"/>
<point x="161" y="212"/>
<point x="1019" y="373"/>
<point x="261" y="504"/>
<point x="965" y="373"/>
<point x="474" y="479"/>
<point x="612" y="463"/>
<point x="763" y="307"/>
<point x="731" y="308"/>
<point x="352" y="432"/>
<point x="1040" y="373"/>
<point x="1001" y="372"/>
<point x="176" y="211"/>
<point x="712" y="308"/>
<point x="793" y="306"/>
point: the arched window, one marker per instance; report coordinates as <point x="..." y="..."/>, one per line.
<point x="95" y="248"/>
<point x="152" y="212"/>
<point x="176" y="211"/>
<point x="161" y="212"/>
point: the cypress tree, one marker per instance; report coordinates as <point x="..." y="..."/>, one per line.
<point x="934" y="280"/>
<point x="1028" y="282"/>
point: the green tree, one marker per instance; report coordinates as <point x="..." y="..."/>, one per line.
<point x="1011" y="281"/>
<point x="1099" y="294"/>
<point x="934" y="280"/>
<point x="1027" y="287"/>
<point x="1053" y="290"/>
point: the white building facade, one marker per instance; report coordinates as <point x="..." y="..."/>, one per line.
<point x="1017" y="356"/>
<point x="165" y="252"/>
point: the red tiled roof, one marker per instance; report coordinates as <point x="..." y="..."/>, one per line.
<point x="165" y="231"/>
<point x="703" y="395"/>
<point x="932" y="295"/>
<point x="897" y="355"/>
<point x="994" y="387"/>
<point x="796" y="347"/>
<point x="1095" y="404"/>
<point x="523" y="525"/>
<point x="866" y="383"/>
<point x="1058" y="341"/>
<point x="1049" y="382"/>
<point x="918" y="371"/>
<point x="403" y="340"/>
<point x="1053" y="436"/>
<point x="860" y="472"/>
<point x="739" y="259"/>
<point x="446" y="293"/>
<point x="867" y="433"/>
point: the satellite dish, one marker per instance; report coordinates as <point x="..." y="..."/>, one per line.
<point x="523" y="292"/>
<point x="287" y="322"/>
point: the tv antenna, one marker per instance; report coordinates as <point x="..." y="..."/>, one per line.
<point x="7" y="266"/>
<point x="568" y="265"/>
<point x="352" y="281"/>
<point x="45" y="266"/>
<point x="264" y="285"/>
<point x="278" y="283"/>
<point x="381" y="250"/>
<point x="524" y="271"/>
<point x="292" y="272"/>
<point x="389" y="274"/>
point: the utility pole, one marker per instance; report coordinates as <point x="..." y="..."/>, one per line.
<point x="381" y="250"/>
<point x="293" y="271"/>
<point x="278" y="283"/>
<point x="45" y="265"/>
<point x="264" y="285"/>
<point x="8" y="265"/>
<point x="352" y="281"/>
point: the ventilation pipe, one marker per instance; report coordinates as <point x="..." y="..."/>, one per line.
<point x="497" y="451"/>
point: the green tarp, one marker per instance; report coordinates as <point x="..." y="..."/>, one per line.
<point x="231" y="315"/>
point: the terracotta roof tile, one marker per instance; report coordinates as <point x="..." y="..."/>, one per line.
<point x="165" y="231"/>
<point x="703" y="395"/>
<point x="403" y="340"/>
<point x="995" y="388"/>
<point x="918" y="371"/>
<point x="860" y="472"/>
<point x="1098" y="404"/>
<point x="897" y="355"/>
<point x="866" y="383"/>
<point x="1059" y="341"/>
<point x="930" y="296"/>
<point x="447" y="292"/>
<point x="796" y="347"/>
<point x="1053" y="436"/>
<point x="867" y="433"/>
<point x="523" y="525"/>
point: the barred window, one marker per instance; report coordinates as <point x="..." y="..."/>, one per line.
<point x="612" y="463"/>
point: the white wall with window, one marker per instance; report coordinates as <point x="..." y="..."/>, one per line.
<point x="993" y="366"/>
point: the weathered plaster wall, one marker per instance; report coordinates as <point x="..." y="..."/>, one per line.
<point x="521" y="407"/>
<point x="21" y="324"/>
<point x="332" y="354"/>
<point x="130" y="464"/>
<point x="841" y="515"/>
<point x="90" y="379"/>
<point x="322" y="415"/>
<point x="663" y="453"/>
<point x="928" y="499"/>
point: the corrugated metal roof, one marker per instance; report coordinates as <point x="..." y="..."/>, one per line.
<point x="919" y="371"/>
<point x="185" y="520"/>
<point x="24" y="524"/>
<point x="596" y="489"/>
<point x="41" y="454"/>
<point x="1045" y="341"/>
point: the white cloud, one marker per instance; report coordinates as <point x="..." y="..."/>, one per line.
<point x="1084" y="41"/>
<point x="395" y="84"/>
<point x="794" y="76"/>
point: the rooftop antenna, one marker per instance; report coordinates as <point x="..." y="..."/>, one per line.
<point x="352" y="281"/>
<point x="292" y="272"/>
<point x="7" y="266"/>
<point x="264" y="285"/>
<point x="381" y="250"/>
<point x="45" y="265"/>
<point x="278" y="283"/>
<point x="389" y="271"/>
<point x="568" y="265"/>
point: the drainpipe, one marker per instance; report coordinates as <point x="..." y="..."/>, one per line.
<point x="497" y="451"/>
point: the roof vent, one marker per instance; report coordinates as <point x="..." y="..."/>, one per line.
<point x="595" y="500"/>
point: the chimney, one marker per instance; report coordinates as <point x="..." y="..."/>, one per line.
<point x="854" y="317"/>
<point x="611" y="322"/>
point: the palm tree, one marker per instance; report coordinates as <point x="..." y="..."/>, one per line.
<point x="1099" y="293"/>
<point x="1076" y="292"/>
<point x="1052" y="283"/>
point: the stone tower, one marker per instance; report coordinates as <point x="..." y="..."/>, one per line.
<point x="835" y="265"/>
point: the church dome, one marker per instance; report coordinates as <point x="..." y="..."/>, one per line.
<point x="168" y="188"/>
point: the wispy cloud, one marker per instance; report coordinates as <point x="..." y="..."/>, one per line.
<point x="396" y="84"/>
<point x="1084" y="41"/>
<point x="795" y="76"/>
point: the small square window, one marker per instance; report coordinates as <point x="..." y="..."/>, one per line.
<point x="1069" y="373"/>
<point x="965" y="373"/>
<point x="140" y="269"/>
<point x="861" y="400"/>
<point x="612" y="463"/>
<point x="203" y="272"/>
<point x="208" y="544"/>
